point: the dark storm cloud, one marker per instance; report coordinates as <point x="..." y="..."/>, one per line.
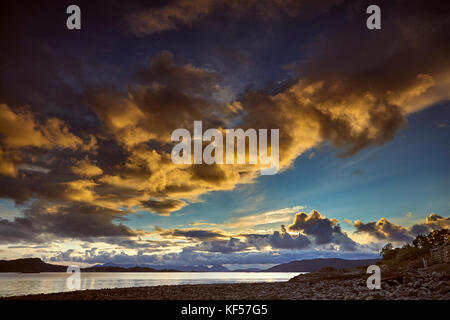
<point x="222" y="246"/>
<point x="283" y="240"/>
<point x="191" y="233"/>
<point x="34" y="72"/>
<point x="163" y="206"/>
<point x="168" y="96"/>
<point x="126" y="243"/>
<point x="210" y="243"/>
<point x="278" y="240"/>
<point x="383" y="229"/>
<point x="401" y="51"/>
<point x="353" y="77"/>
<point x="162" y="70"/>
<point x="432" y="222"/>
<point x="323" y="230"/>
<point x="41" y="223"/>
<point x="420" y="229"/>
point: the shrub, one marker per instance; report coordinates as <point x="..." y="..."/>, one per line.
<point x="421" y="246"/>
<point x="327" y="269"/>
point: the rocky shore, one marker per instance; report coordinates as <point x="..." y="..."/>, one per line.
<point x="407" y="284"/>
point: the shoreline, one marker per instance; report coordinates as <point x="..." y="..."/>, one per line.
<point x="416" y="284"/>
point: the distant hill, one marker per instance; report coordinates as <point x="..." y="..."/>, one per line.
<point x="35" y="265"/>
<point x="29" y="265"/>
<point x="248" y="270"/>
<point x="313" y="265"/>
<point x="214" y="268"/>
<point x="218" y="268"/>
<point x="122" y="269"/>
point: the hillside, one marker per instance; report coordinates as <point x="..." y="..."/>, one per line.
<point x="35" y="265"/>
<point x="29" y="265"/>
<point x="313" y="265"/>
<point x="121" y="269"/>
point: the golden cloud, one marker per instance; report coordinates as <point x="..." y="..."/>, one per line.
<point x="86" y="169"/>
<point x="80" y="190"/>
<point x="307" y="113"/>
<point x="20" y="129"/>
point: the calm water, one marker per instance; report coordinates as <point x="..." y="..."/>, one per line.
<point x="14" y="284"/>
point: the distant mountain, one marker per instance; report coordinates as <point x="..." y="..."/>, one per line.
<point x="218" y="268"/>
<point x="35" y="265"/>
<point x="214" y="268"/>
<point x="122" y="269"/>
<point x="125" y="265"/>
<point x="248" y="270"/>
<point x="29" y="265"/>
<point x="313" y="265"/>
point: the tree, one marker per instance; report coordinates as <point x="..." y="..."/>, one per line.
<point x="439" y="237"/>
<point x="421" y="246"/>
<point x="388" y="252"/>
<point x="422" y="242"/>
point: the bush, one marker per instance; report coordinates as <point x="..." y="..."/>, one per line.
<point x="327" y="269"/>
<point x="421" y="246"/>
<point x="409" y="253"/>
<point x="388" y="252"/>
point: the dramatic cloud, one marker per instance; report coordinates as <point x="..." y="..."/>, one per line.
<point x="20" y="129"/>
<point x="42" y="223"/>
<point x="383" y="229"/>
<point x="191" y="233"/>
<point x="334" y="99"/>
<point x="308" y="113"/>
<point x="222" y="246"/>
<point x="279" y="240"/>
<point x="323" y="230"/>
<point x="432" y="222"/>
<point x="168" y="96"/>
<point x="163" y="206"/>
<point x="212" y="247"/>
<point x="190" y="256"/>
<point x="86" y="169"/>
<point x="276" y="216"/>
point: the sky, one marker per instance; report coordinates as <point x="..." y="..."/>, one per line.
<point x="86" y="119"/>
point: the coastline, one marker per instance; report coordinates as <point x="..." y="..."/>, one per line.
<point x="416" y="284"/>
